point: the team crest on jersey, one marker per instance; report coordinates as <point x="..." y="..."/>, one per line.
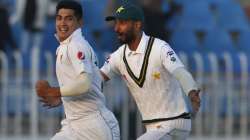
<point x="80" y="55"/>
<point x="156" y="75"/>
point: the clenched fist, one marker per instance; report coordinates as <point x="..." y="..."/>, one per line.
<point x="42" y="87"/>
<point x="195" y="100"/>
<point x="49" y="96"/>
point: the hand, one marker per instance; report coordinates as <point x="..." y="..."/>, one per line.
<point x="42" y="87"/>
<point x="49" y="96"/>
<point x="51" y="102"/>
<point x="195" y="100"/>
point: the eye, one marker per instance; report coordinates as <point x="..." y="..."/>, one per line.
<point x="70" y="18"/>
<point x="124" y="22"/>
<point x="58" y="17"/>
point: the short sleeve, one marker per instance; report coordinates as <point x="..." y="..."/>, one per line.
<point x="80" y="58"/>
<point x="110" y="67"/>
<point x="169" y="58"/>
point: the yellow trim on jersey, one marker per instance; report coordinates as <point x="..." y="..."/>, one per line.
<point x="140" y="81"/>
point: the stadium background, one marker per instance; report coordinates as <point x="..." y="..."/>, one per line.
<point x="212" y="38"/>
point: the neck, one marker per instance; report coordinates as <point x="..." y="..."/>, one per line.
<point x="133" y="45"/>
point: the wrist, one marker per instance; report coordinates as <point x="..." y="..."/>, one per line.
<point x="54" y="91"/>
<point x="194" y="92"/>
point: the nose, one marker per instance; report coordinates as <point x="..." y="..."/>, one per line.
<point x="61" y="21"/>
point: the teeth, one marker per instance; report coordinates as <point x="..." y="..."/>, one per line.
<point x="63" y="29"/>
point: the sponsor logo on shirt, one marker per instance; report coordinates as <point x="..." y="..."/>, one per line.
<point x="107" y="59"/>
<point x="171" y="55"/>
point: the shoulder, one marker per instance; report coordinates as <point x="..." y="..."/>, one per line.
<point x="118" y="52"/>
<point x="161" y="45"/>
<point x="80" y="43"/>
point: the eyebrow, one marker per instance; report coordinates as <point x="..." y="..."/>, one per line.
<point x="65" y="16"/>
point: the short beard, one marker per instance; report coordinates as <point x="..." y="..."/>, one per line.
<point x="129" y="37"/>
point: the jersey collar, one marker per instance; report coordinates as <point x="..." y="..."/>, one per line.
<point x="141" y="47"/>
<point x="77" y="32"/>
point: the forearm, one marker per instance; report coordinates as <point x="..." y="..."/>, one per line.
<point x="186" y="80"/>
<point x="80" y="86"/>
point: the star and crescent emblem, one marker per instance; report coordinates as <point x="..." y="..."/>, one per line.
<point x="120" y="9"/>
<point x="156" y="75"/>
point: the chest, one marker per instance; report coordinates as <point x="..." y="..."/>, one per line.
<point x="139" y="70"/>
<point x="64" y="65"/>
<point x="62" y="56"/>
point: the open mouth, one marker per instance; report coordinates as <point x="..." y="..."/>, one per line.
<point x="63" y="29"/>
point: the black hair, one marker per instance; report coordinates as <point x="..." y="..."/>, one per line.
<point x="67" y="4"/>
